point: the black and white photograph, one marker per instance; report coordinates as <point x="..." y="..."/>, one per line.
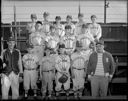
<point x="63" y="50"/>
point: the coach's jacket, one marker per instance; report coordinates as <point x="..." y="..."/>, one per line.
<point x="108" y="63"/>
<point x="12" y="61"/>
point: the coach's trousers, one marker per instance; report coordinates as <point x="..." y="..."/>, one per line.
<point x="99" y="86"/>
<point x="7" y="81"/>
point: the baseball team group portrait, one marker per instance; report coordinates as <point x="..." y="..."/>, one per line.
<point x="65" y="54"/>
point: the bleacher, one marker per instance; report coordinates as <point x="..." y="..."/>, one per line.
<point x="115" y="36"/>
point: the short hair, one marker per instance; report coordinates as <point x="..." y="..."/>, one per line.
<point x="58" y="17"/>
<point x="33" y="16"/>
<point x="93" y="16"/>
<point x="80" y="15"/>
<point x="52" y="27"/>
<point x="84" y="26"/>
<point x="68" y="27"/>
<point x="69" y="16"/>
<point x="39" y="22"/>
<point x="46" y="14"/>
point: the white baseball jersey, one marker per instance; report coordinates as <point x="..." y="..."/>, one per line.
<point x="70" y="42"/>
<point x="31" y="27"/>
<point x="72" y="26"/>
<point x="46" y="27"/>
<point x="78" y="27"/>
<point x="30" y="61"/>
<point x="60" y="30"/>
<point x="37" y="39"/>
<point x="52" y="40"/>
<point x="85" y="38"/>
<point x="95" y="30"/>
<point x="62" y="63"/>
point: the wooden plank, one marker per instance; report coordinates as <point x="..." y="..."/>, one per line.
<point x="119" y="80"/>
<point x="122" y="64"/>
<point x="119" y="54"/>
<point x="114" y="40"/>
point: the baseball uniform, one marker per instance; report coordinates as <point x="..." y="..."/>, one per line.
<point x="95" y="30"/>
<point x="47" y="73"/>
<point x="30" y="62"/>
<point x="79" y="66"/>
<point x="85" y="39"/>
<point x="62" y="64"/>
<point x="70" y="42"/>
<point x="37" y="39"/>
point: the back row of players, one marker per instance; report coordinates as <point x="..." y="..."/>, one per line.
<point x="48" y="38"/>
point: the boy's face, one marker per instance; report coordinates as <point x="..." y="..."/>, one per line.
<point x="62" y="50"/>
<point x="68" y="30"/>
<point x="38" y="26"/>
<point x="48" y="52"/>
<point x="80" y="18"/>
<point x="11" y="44"/>
<point x="68" y="20"/>
<point x="93" y="19"/>
<point x="33" y="19"/>
<point x="46" y="17"/>
<point x="58" y="20"/>
<point x="52" y="30"/>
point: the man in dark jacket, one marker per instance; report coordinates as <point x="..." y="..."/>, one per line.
<point x="12" y="69"/>
<point x="100" y="70"/>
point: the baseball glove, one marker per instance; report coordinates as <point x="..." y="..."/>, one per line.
<point x="63" y="78"/>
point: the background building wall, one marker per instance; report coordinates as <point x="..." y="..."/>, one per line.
<point x="116" y="12"/>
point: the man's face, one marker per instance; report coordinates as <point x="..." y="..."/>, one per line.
<point x="11" y="44"/>
<point x="93" y="19"/>
<point x="38" y="26"/>
<point x="99" y="48"/>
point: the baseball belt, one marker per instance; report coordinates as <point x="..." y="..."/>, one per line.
<point x="48" y="71"/>
<point x="30" y="68"/>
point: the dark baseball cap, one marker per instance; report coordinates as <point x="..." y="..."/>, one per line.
<point x="68" y="27"/>
<point x="11" y="39"/>
<point x="80" y="15"/>
<point x="93" y="16"/>
<point x="46" y="14"/>
<point x="58" y="17"/>
<point x="69" y="16"/>
<point x="101" y="42"/>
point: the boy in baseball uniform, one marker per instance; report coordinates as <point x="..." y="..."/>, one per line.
<point x="47" y="72"/>
<point x="59" y="27"/>
<point x="95" y="28"/>
<point x="78" y="70"/>
<point x="69" y="22"/>
<point x="30" y="63"/>
<point x="62" y="65"/>
<point x="69" y="40"/>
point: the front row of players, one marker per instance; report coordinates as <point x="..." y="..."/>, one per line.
<point x="53" y="66"/>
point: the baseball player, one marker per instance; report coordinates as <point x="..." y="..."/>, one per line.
<point x="12" y="70"/>
<point x="69" y="22"/>
<point x="62" y="65"/>
<point x="69" y="40"/>
<point x="59" y="27"/>
<point x="31" y="25"/>
<point x="95" y="28"/>
<point x="85" y="38"/>
<point x="52" y="39"/>
<point x="30" y="62"/>
<point x="78" y="69"/>
<point x="78" y="25"/>
<point x="45" y="23"/>
<point x="47" y="72"/>
<point x="37" y="39"/>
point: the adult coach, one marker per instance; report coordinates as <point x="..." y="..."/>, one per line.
<point x="12" y="69"/>
<point x="100" y="70"/>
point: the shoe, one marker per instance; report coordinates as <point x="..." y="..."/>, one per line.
<point x="57" y="94"/>
<point x="49" y="96"/>
<point x="80" y="95"/>
<point x="26" y="96"/>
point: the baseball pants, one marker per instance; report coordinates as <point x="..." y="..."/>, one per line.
<point x="59" y="85"/>
<point x="78" y="81"/>
<point x="47" y="81"/>
<point x="30" y="78"/>
<point x="99" y="86"/>
<point x="10" y="81"/>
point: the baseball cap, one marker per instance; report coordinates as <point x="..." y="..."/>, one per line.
<point x="100" y="42"/>
<point x="69" y="16"/>
<point x="39" y="22"/>
<point x="84" y="26"/>
<point x="80" y="15"/>
<point x="11" y="39"/>
<point x="52" y="27"/>
<point x="58" y="17"/>
<point x="33" y="16"/>
<point x="68" y="27"/>
<point x="46" y="14"/>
